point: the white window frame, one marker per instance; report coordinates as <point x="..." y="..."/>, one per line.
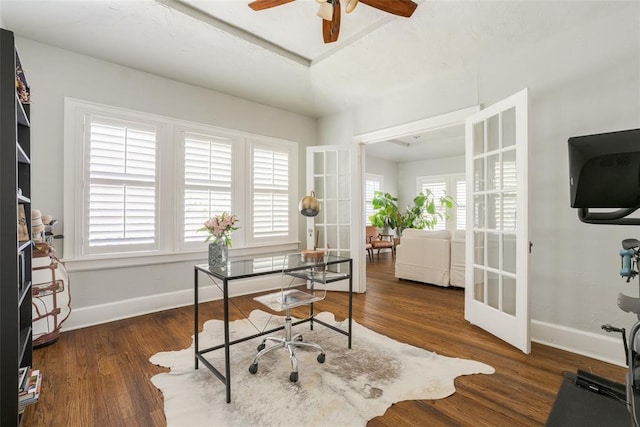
<point x="170" y="245"/>
<point x="450" y="181"/>
<point x="124" y="179"/>
<point x="292" y="203"/>
<point x="237" y="182"/>
<point x="371" y="177"/>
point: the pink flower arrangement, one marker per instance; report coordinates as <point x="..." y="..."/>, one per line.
<point x="220" y="226"/>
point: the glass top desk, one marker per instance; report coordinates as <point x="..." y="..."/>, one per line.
<point x="332" y="270"/>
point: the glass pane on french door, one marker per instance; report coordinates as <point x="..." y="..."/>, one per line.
<point x="494" y="211"/>
<point x="332" y="183"/>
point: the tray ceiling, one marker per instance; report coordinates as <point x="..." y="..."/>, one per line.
<point x="215" y="44"/>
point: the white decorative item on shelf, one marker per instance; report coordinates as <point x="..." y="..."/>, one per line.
<point x="37" y="227"/>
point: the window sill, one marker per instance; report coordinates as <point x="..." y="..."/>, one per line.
<point x="108" y="262"/>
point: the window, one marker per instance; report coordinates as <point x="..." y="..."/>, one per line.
<point x="451" y="185"/>
<point x="438" y="187"/>
<point x="461" y="200"/>
<point x="509" y="182"/>
<point x="207" y="181"/>
<point x="270" y="191"/>
<point x="121" y="195"/>
<point x="141" y="184"/>
<point x="372" y="184"/>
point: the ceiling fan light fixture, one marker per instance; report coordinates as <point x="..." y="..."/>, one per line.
<point x="329" y="11"/>
<point x="325" y="11"/>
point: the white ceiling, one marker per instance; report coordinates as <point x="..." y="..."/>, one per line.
<point x="435" y="144"/>
<point x="276" y="56"/>
<point x="293" y="26"/>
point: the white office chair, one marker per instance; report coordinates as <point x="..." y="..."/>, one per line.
<point x="290" y="296"/>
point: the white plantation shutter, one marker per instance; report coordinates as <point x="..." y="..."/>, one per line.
<point x="270" y="181"/>
<point x="509" y="205"/>
<point x="439" y="189"/>
<point x="452" y="185"/>
<point x="461" y="208"/>
<point x="372" y="184"/>
<point x="139" y="186"/>
<point x="122" y="184"/>
<point x="207" y="181"/>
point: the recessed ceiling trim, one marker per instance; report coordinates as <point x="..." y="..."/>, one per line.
<point x="233" y="30"/>
<point x="398" y="142"/>
<point x="411" y="128"/>
<point x="344" y="42"/>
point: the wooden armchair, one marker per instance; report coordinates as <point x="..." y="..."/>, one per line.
<point x="369" y="247"/>
<point x="377" y="241"/>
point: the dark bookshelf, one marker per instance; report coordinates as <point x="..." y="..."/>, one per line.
<point x="15" y="254"/>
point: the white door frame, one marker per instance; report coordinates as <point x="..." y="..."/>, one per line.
<point x="506" y="314"/>
<point x="337" y="196"/>
<point x="399" y="131"/>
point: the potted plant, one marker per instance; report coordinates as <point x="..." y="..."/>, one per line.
<point x="425" y="213"/>
<point x="386" y="214"/>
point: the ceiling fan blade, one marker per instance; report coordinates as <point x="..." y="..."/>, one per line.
<point x="266" y="4"/>
<point x="396" y="7"/>
<point x="331" y="29"/>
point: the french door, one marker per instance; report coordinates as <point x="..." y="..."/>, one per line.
<point x="497" y="243"/>
<point x="333" y="173"/>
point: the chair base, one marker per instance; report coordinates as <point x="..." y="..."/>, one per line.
<point x="289" y="342"/>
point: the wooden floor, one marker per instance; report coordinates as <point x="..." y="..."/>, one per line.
<point x="99" y="376"/>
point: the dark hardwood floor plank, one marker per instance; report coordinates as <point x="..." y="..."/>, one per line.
<point x="101" y="375"/>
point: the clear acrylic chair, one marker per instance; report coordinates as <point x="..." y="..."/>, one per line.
<point x="291" y="295"/>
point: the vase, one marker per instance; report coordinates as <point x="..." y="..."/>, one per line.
<point x="218" y="254"/>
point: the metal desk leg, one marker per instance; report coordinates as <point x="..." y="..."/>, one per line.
<point x="227" y="360"/>
<point x="350" y="297"/>
<point x="195" y="314"/>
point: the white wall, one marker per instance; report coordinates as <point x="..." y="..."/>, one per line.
<point x="54" y="74"/>
<point x="388" y="169"/>
<point x="409" y="172"/>
<point x="585" y="80"/>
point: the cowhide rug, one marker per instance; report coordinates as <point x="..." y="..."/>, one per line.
<point x="351" y="387"/>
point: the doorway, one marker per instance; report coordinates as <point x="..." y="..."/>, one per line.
<point x="402" y="138"/>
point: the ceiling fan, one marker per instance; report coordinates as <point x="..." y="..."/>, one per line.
<point x="330" y="11"/>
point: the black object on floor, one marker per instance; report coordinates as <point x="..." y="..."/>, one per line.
<point x="595" y="402"/>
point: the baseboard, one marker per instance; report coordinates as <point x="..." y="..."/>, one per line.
<point x="104" y="313"/>
<point x="605" y="348"/>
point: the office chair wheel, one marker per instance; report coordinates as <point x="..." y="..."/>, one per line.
<point x="261" y="346"/>
<point x="253" y="368"/>
<point x="299" y="338"/>
<point x="293" y="377"/>
<point x="321" y="358"/>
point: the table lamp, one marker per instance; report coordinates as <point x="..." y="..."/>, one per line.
<point x="310" y="206"/>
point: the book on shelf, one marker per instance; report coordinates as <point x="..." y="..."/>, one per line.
<point x="32" y="392"/>
<point x="23" y="374"/>
<point x="23" y="231"/>
<point x="29" y="386"/>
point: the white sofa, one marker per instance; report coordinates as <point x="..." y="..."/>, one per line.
<point x="431" y="257"/>
<point x="457" y="271"/>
